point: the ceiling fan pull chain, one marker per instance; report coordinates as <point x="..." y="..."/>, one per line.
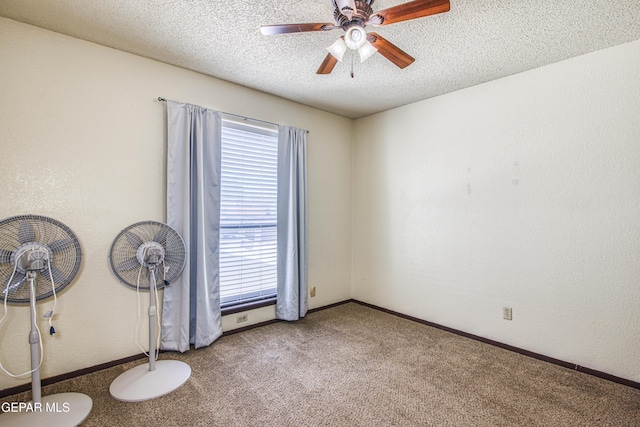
<point x="352" y="75"/>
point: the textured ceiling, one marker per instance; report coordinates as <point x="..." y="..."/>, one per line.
<point x="476" y="41"/>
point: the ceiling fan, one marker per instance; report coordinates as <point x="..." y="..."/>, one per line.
<point x="353" y="16"/>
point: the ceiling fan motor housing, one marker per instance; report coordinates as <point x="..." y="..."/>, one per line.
<point x="359" y="16"/>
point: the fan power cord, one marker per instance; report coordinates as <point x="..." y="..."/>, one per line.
<point x="164" y="273"/>
<point x="6" y="291"/>
<point x="49" y="313"/>
<point x="6" y="295"/>
<point x="159" y="332"/>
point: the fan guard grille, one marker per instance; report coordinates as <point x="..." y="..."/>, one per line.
<point x="128" y="249"/>
<point x="53" y="240"/>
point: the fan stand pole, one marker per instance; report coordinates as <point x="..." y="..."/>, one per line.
<point x="152" y="318"/>
<point x="34" y="342"/>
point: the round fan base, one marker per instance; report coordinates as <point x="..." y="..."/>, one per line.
<point x="57" y="410"/>
<point x="139" y="383"/>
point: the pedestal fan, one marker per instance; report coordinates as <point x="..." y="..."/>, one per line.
<point x="159" y="251"/>
<point x="39" y="256"/>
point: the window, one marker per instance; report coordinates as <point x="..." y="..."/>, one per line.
<point x="248" y="213"/>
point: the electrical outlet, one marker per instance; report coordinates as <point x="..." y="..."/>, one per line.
<point x="313" y="292"/>
<point x="507" y="313"/>
<point x="242" y="318"/>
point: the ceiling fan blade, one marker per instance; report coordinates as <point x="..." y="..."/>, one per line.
<point x="390" y="51"/>
<point x="26" y="233"/>
<point x="412" y="10"/>
<point x="327" y="65"/>
<point x="270" y="30"/>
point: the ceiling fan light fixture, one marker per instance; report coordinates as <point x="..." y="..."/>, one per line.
<point x="355" y="37"/>
<point x="366" y="50"/>
<point x="338" y="49"/>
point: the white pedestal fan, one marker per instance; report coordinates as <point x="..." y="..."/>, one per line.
<point x="39" y="256"/>
<point x="158" y="249"/>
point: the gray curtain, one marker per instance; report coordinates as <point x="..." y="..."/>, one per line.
<point x="292" y="296"/>
<point x="191" y="310"/>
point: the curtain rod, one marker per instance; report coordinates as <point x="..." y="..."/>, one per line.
<point x="161" y="99"/>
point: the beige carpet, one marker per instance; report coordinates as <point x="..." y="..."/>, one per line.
<point x="355" y="366"/>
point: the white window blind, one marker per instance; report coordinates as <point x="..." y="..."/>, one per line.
<point x="248" y="213"/>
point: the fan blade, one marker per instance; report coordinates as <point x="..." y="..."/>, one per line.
<point x="161" y="236"/>
<point x="5" y="256"/>
<point x="172" y="257"/>
<point x="18" y="280"/>
<point x="128" y="264"/>
<point x="412" y="10"/>
<point x="270" y="30"/>
<point x="133" y="239"/>
<point x="390" y="51"/>
<point x="58" y="276"/>
<point x="61" y="245"/>
<point x="327" y="65"/>
<point x="26" y="233"/>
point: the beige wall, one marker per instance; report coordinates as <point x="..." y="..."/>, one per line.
<point x="83" y="141"/>
<point x="522" y="192"/>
